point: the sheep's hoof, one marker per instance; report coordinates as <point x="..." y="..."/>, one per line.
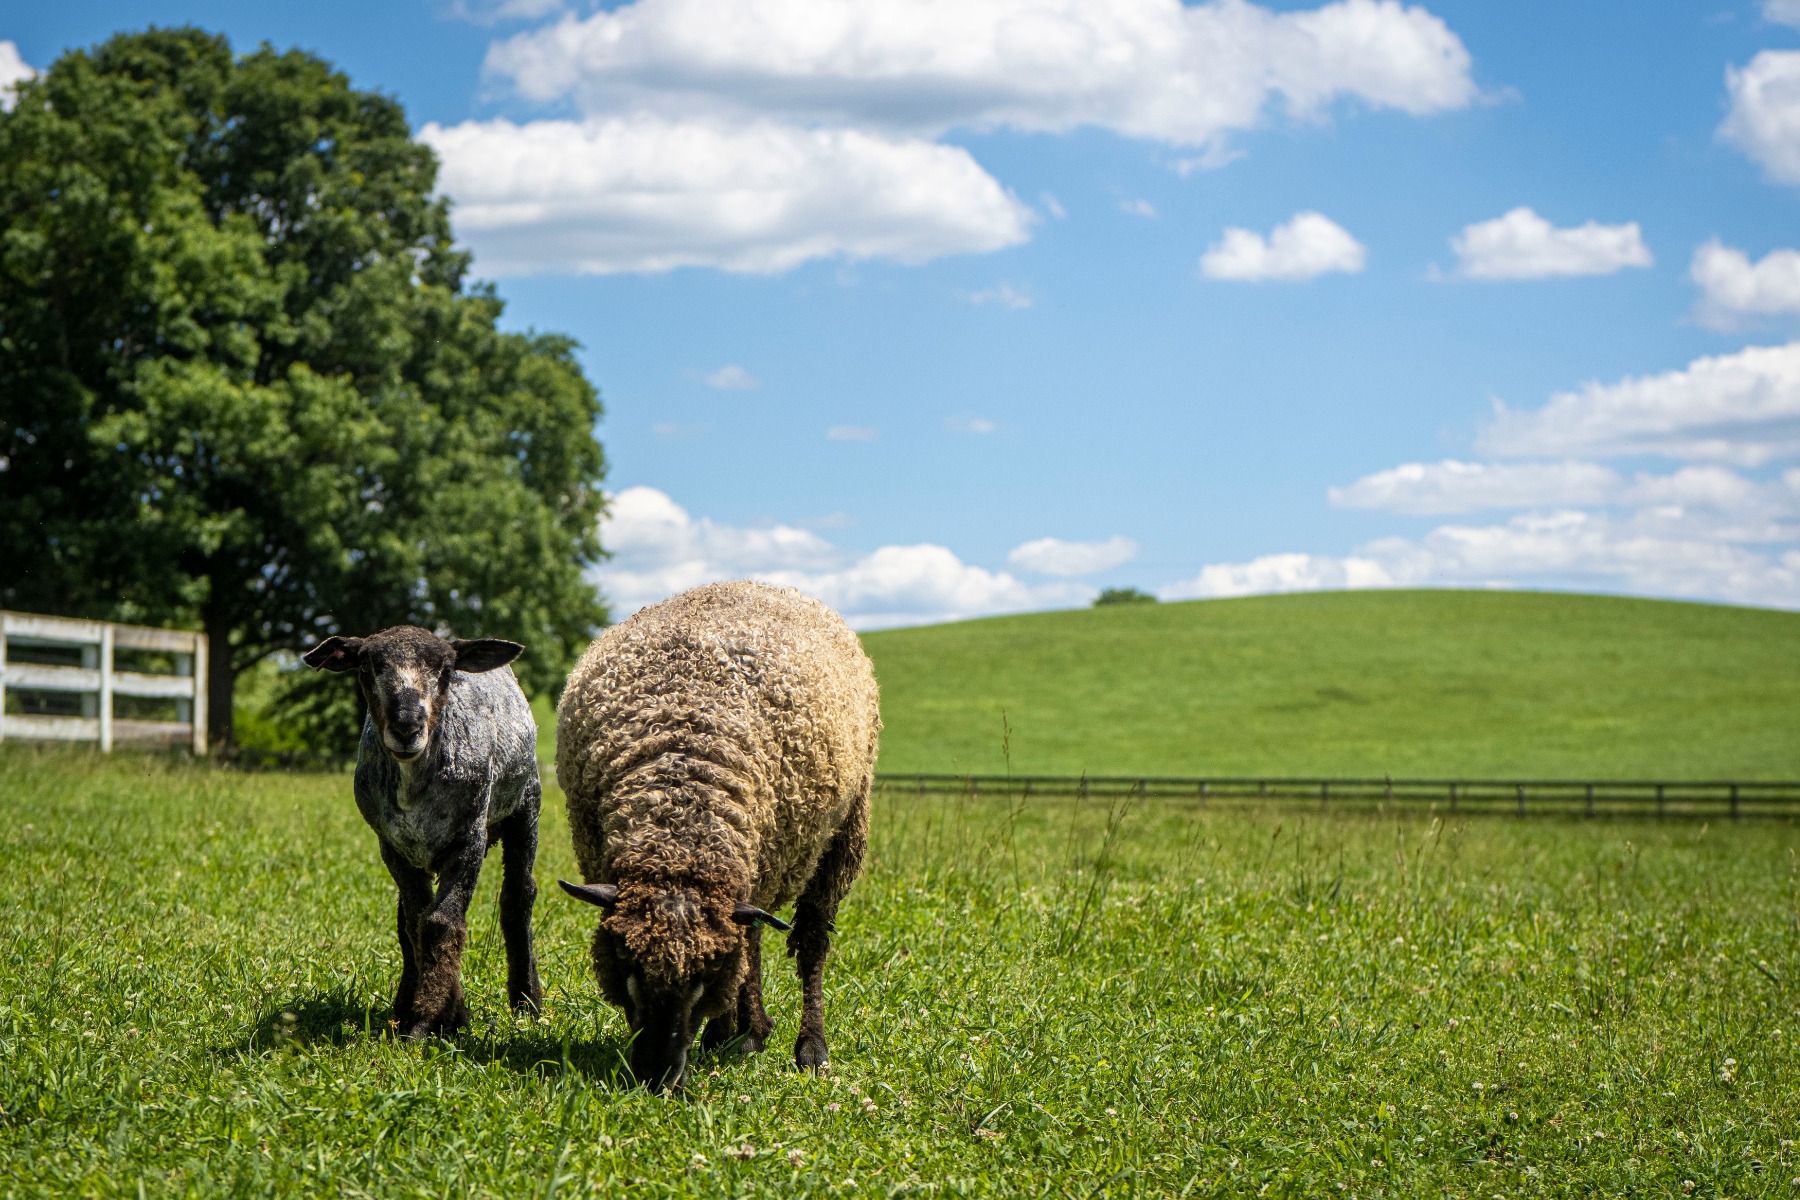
<point x="809" y="1053"/>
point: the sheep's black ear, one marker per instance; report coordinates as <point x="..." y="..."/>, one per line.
<point x="603" y="894"/>
<point x="484" y="654"/>
<point x="335" y="654"/>
<point x="749" y="914"/>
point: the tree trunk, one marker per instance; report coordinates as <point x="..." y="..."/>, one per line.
<point x="221" y="682"/>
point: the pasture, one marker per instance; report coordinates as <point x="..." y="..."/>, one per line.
<point x="1034" y="999"/>
<point x="1426" y="683"/>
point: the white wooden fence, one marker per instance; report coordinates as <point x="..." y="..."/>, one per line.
<point x="51" y="664"/>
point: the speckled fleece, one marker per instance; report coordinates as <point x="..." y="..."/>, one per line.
<point x="481" y="762"/>
<point x="713" y="744"/>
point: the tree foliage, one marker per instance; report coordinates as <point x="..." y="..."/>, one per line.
<point x="243" y="381"/>
<point x="1122" y="595"/>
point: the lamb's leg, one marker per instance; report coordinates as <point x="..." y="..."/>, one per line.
<point x="415" y="897"/>
<point x="442" y="932"/>
<point x="518" y="892"/>
<point x="747" y="1016"/>
<point x="810" y="941"/>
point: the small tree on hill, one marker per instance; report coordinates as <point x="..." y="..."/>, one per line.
<point x="1122" y="595"/>
<point x="242" y="381"/>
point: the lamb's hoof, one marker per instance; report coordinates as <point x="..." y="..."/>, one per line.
<point x="809" y="1053"/>
<point x="445" y="1025"/>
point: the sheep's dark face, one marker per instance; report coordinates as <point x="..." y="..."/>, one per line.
<point x="671" y="958"/>
<point x="405" y="674"/>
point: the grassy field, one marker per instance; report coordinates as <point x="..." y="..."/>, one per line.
<point x="1432" y="683"/>
<point x="1038" y="999"/>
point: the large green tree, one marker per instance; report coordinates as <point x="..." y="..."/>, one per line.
<point x="243" y="381"/>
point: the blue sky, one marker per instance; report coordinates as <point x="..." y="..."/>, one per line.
<point x="939" y="309"/>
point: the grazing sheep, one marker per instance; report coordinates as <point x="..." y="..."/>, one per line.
<point x="446" y="768"/>
<point x="717" y="751"/>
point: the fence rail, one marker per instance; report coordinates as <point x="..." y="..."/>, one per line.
<point x="1599" y="797"/>
<point x="61" y="680"/>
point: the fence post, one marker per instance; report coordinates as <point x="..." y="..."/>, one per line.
<point x="2" y="677"/>
<point x="1387" y="796"/>
<point x="1262" y="788"/>
<point x="199" y="708"/>
<point x="1734" y="801"/>
<point x="106" y="697"/>
<point x="1521" y="799"/>
<point x="1659" y="800"/>
<point x="1452" y="795"/>
<point x="1324" y="792"/>
<point x="1590" y="799"/>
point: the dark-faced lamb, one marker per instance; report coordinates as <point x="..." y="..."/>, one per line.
<point x="447" y="767"/>
<point x="717" y="751"/>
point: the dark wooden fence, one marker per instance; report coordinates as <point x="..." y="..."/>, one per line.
<point x="1521" y="797"/>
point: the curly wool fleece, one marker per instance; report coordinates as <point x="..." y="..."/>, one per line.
<point x="710" y="747"/>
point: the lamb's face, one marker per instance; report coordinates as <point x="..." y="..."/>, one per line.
<point x="405" y="678"/>
<point x="671" y="957"/>
<point x="405" y="674"/>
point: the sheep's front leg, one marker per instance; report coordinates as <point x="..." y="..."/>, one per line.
<point x="415" y="897"/>
<point x="442" y="931"/>
<point x="747" y="1015"/>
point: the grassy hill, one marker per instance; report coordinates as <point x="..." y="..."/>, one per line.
<point x="1353" y="683"/>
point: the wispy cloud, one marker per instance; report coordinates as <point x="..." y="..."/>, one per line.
<point x="853" y="433"/>
<point x="732" y="377"/>
<point x="1005" y="295"/>
<point x="1054" y="556"/>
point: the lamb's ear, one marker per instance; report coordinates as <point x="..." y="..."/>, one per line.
<point x="335" y="654"/>
<point x="484" y="654"/>
<point x="603" y="894"/>
<point x="749" y="914"/>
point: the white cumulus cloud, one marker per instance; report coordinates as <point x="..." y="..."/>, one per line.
<point x="1645" y="553"/>
<point x="658" y="548"/>
<point x="1280" y="573"/>
<point x="1308" y="246"/>
<point x="14" y="70"/>
<point x="1157" y="69"/>
<point x="1054" y="556"/>
<point x="1523" y="245"/>
<point x="1456" y="487"/>
<point x="1740" y="408"/>
<point x="1733" y="288"/>
<point x="1782" y="12"/>
<point x="732" y="377"/>
<point x="1764" y="119"/>
<point x="647" y="194"/>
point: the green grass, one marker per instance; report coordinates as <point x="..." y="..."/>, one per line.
<point x="1470" y="684"/>
<point x="1032" y="999"/>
